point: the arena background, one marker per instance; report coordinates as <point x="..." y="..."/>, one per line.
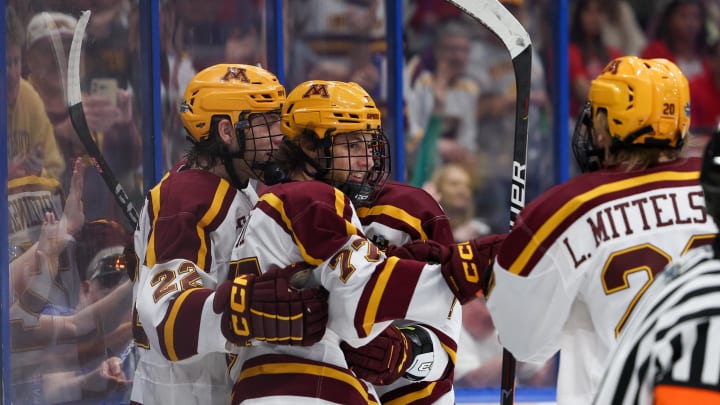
<point x="148" y="48"/>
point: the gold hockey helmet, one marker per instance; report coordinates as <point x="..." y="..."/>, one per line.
<point x="234" y="90"/>
<point x="647" y="102"/>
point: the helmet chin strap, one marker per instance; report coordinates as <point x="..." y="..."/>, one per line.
<point x="271" y="172"/>
<point x="319" y="173"/>
<point x="227" y="160"/>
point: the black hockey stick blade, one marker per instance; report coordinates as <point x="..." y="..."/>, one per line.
<point x="494" y="16"/>
<point x="79" y="123"/>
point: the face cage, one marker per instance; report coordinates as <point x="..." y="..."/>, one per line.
<point x="259" y="147"/>
<point x="375" y="149"/>
<point x="587" y="155"/>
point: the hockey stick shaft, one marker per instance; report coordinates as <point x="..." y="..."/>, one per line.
<point x="493" y="15"/>
<point x="79" y="123"/>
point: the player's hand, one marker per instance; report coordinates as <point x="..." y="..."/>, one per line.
<point x="383" y="360"/>
<point x="465" y="266"/>
<point x="267" y="308"/>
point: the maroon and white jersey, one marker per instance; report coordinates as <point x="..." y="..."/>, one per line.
<point x="401" y="214"/>
<point x="313" y="223"/>
<point x="184" y="238"/>
<point x="580" y="256"/>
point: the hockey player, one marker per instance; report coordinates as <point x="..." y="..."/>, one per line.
<point x="668" y="351"/>
<point x="581" y="255"/>
<point x="401" y="214"/>
<point x="189" y="311"/>
<point x="336" y="155"/>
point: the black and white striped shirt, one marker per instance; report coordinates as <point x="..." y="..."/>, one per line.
<point x="669" y="352"/>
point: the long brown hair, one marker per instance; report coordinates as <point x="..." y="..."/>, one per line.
<point x="635" y="157"/>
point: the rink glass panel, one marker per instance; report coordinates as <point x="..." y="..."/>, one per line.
<point x="57" y="338"/>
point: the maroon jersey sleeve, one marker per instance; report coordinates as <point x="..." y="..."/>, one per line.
<point x="411" y="210"/>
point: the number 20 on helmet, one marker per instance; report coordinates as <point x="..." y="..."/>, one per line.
<point x="647" y="102"/>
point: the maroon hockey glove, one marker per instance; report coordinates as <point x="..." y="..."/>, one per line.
<point x="266" y="308"/>
<point x="465" y="266"/>
<point x="383" y="360"/>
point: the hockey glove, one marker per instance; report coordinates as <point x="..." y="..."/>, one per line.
<point x="266" y="308"/>
<point x="396" y="352"/>
<point x="466" y="266"/>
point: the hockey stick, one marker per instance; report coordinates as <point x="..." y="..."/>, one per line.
<point x="77" y="117"/>
<point x="508" y="29"/>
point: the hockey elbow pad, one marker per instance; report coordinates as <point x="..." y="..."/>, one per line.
<point x="423" y="356"/>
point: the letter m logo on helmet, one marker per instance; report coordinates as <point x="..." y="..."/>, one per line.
<point x="316" y="89"/>
<point x="235" y="73"/>
<point x="228" y="90"/>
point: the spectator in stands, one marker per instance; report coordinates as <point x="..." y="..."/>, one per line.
<point x="489" y="62"/>
<point x="441" y="104"/>
<point x="705" y="90"/>
<point x="203" y="32"/>
<point x="587" y="53"/>
<point x="424" y="18"/>
<point x="107" y="54"/>
<point x="49" y="35"/>
<point x="326" y="35"/>
<point x="453" y="188"/>
<point x="621" y="29"/>
<point x="31" y="146"/>
<point x="680" y="35"/>
<point x="72" y="357"/>
<point x="176" y="70"/>
<point x="243" y="43"/>
<point x="41" y="267"/>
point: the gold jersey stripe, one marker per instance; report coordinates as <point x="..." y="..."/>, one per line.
<point x="340" y="209"/>
<point x="303" y="368"/>
<point x="377" y="294"/>
<point x="571" y="206"/>
<point x="397" y="213"/>
<point x="277" y="204"/>
<point x="209" y="216"/>
<point x="413" y="396"/>
<point x="170" y="324"/>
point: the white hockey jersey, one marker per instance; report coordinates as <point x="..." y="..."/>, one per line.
<point x="580" y="256"/>
<point x="311" y="222"/>
<point x="184" y="238"/>
<point x="401" y="214"/>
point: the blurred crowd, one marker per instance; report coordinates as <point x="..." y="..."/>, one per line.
<point x="71" y="315"/>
